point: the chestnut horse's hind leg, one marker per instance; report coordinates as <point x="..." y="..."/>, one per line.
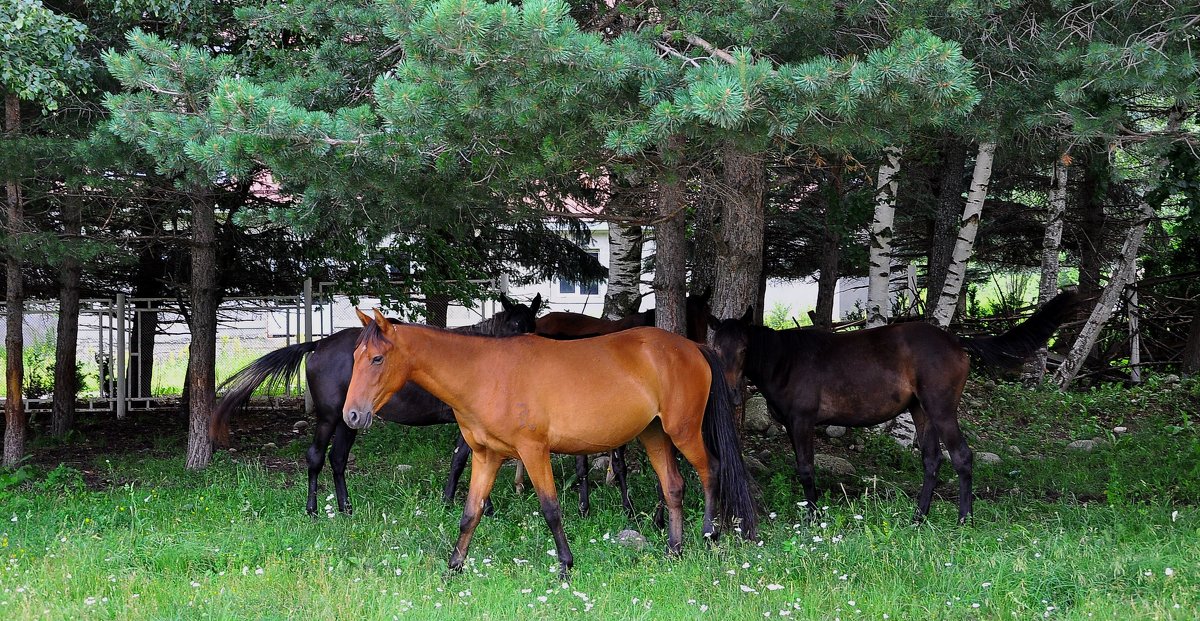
<point x="541" y="474"/>
<point x="662" y="459"/>
<point x="694" y="451"/>
<point x="343" y="439"/>
<point x="621" y="471"/>
<point x="483" y="476"/>
<point x="316" y="457"/>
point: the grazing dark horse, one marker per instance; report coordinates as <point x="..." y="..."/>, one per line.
<point x="330" y="361"/>
<point x="570" y="326"/>
<point x="856" y="379"/>
<point x="524" y="396"/>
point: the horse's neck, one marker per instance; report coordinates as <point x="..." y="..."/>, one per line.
<point x="445" y="363"/>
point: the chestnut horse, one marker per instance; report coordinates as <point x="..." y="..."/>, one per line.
<point x="526" y="396"/>
<point x="857" y="379"/>
<point x="570" y="326"/>
<point x="328" y="373"/>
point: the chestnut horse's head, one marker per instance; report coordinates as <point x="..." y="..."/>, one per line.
<point x="731" y="339"/>
<point x="380" y="369"/>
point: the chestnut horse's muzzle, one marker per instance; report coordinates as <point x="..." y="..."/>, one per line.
<point x="357" y="419"/>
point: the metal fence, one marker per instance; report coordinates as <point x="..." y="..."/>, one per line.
<point x="132" y="352"/>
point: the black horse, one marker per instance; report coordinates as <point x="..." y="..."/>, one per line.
<point x="330" y="361"/>
<point x="814" y="377"/>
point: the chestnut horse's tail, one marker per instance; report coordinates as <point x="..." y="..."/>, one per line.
<point x="1010" y="348"/>
<point x="274" y="368"/>
<point x="732" y="482"/>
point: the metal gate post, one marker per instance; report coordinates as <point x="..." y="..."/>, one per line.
<point x="119" y="358"/>
<point x="308" y="312"/>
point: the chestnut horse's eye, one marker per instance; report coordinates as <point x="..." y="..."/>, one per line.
<point x="377" y="359"/>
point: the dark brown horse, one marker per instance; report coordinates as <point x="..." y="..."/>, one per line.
<point x="857" y="379"/>
<point x="330" y="361"/>
<point x="570" y="326"/>
<point x="525" y="396"/>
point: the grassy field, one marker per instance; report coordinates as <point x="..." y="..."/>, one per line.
<point x="1058" y="534"/>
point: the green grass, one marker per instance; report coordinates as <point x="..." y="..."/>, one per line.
<point x="1060" y="537"/>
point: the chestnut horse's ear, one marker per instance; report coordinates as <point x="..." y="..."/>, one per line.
<point x="536" y="304"/>
<point x="506" y="303"/>
<point x="385" y="326"/>
<point x="363" y="317"/>
<point x="748" y="316"/>
<point x="713" y="322"/>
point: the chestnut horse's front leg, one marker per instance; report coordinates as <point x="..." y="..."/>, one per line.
<point x="483" y="475"/>
<point x="541" y="474"/>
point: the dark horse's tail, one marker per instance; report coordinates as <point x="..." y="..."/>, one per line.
<point x="728" y="472"/>
<point x="1010" y="348"/>
<point x="273" y="368"/>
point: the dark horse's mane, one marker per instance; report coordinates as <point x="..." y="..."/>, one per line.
<point x="371" y="333"/>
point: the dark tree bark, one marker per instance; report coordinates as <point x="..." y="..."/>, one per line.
<point x="1091" y="202"/>
<point x="831" y="254"/>
<point x="948" y="217"/>
<point x="704" y="245"/>
<point x="740" y="249"/>
<point x="670" y="248"/>
<point x="15" y="420"/>
<point x="437" y="310"/>
<point x="203" y="324"/>
<point x="1191" y="351"/>
<point x="65" y="377"/>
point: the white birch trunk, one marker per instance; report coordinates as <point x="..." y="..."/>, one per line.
<point x="965" y="244"/>
<point x="879" y="306"/>
<point x="1051" y="245"/>
<point x="1123" y="275"/>
<point x="623" y="296"/>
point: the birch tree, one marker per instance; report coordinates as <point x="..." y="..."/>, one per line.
<point x="1051" y="243"/>
<point x="623" y="295"/>
<point x="879" y="307"/>
<point x="957" y="271"/>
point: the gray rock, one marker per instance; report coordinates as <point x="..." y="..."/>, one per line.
<point x="269" y="446"/>
<point x="834" y="464"/>
<point x="1014" y="449"/>
<point x="758" y="417"/>
<point x="300" y="426"/>
<point x="987" y="458"/>
<point x="1171" y="379"/>
<point x="775" y="430"/>
<point x="1082" y="445"/>
<point x="835" y="431"/>
<point x="1120" y="429"/>
<point x="404" y="468"/>
<point x="632" y="539"/>
<point x="599" y="467"/>
<point x="755" y="466"/>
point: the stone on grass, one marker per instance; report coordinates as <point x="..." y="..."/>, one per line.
<point x="404" y="467"/>
<point x="269" y="446"/>
<point x="1014" y="449"/>
<point x="631" y="539"/>
<point x="599" y="466"/>
<point x="754" y="465"/>
<point x="757" y="418"/>
<point x="987" y="458"/>
<point x="1120" y="429"/>
<point x="775" y="430"/>
<point x="835" y="431"/>
<point x="834" y="464"/>
<point x="1082" y="445"/>
<point x="300" y="426"/>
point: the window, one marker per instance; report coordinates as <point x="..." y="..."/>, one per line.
<point x="592" y="288"/>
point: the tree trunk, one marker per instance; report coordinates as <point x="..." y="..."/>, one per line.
<point x="946" y="221"/>
<point x="65" y="373"/>
<point x="203" y="350"/>
<point x="1091" y="251"/>
<point x="1122" y="276"/>
<point x="1051" y="243"/>
<point x="740" y="246"/>
<point x="831" y="254"/>
<point x="437" y="310"/>
<point x="879" y="262"/>
<point x="14" y="405"/>
<point x="1191" y="351"/>
<point x="623" y="296"/>
<point x="670" y="249"/>
<point x="956" y="273"/>
<point x="704" y="246"/>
